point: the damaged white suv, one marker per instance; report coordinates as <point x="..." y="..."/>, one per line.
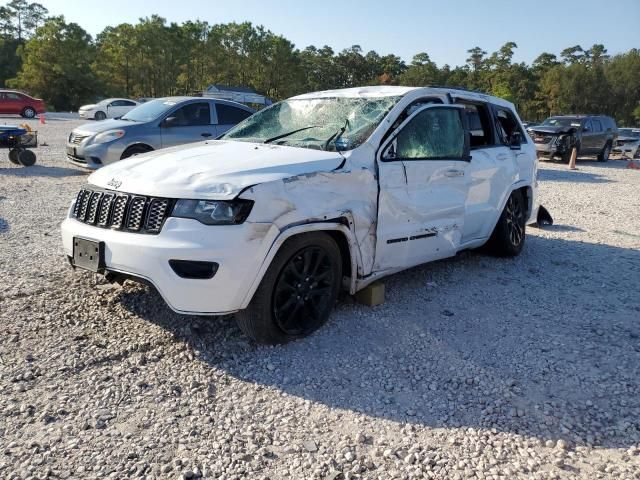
<point x="322" y="192"/>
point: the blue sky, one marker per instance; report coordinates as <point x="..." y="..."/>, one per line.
<point x="445" y="29"/>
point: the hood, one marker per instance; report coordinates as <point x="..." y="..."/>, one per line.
<point x="552" y="129"/>
<point x="104" y="125"/>
<point x="87" y="107"/>
<point x="628" y="139"/>
<point x="212" y="170"/>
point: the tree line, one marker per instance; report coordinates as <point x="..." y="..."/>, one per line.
<point x="60" y="62"/>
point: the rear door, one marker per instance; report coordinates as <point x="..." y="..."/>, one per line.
<point x="188" y="123"/>
<point x="491" y="169"/>
<point x="599" y="135"/>
<point x="423" y="187"/>
<point x="228" y="116"/>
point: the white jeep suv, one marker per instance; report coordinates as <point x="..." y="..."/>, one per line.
<point x="322" y="192"/>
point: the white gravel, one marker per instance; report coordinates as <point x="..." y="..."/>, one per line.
<point x="475" y="367"/>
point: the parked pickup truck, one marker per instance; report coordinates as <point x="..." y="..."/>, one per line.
<point x="322" y="192"/>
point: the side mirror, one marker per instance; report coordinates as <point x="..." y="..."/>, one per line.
<point x="390" y="151"/>
<point x="515" y="141"/>
<point x="170" y="122"/>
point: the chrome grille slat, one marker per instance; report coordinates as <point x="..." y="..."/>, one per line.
<point x="77" y="138"/>
<point x="84" y="203"/>
<point x="136" y="210"/>
<point x="121" y="211"/>
<point x="92" y="209"/>
<point x="105" y="209"/>
<point x="156" y="214"/>
<point x="76" y="206"/>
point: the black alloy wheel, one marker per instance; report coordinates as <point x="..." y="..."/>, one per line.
<point x="515" y="221"/>
<point x="303" y="291"/>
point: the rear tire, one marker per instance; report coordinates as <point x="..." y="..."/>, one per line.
<point x="297" y="293"/>
<point x="507" y="239"/>
<point x="100" y="116"/>
<point x="28" y="112"/>
<point x="135" y="150"/>
<point x="26" y="158"/>
<point x="603" y="156"/>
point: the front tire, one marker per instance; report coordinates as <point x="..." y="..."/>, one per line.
<point x="100" y="116"/>
<point x="507" y="239"/>
<point x="28" y="112"/>
<point x="297" y="293"/>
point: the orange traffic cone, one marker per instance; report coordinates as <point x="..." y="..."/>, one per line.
<point x="572" y="160"/>
<point x="42" y="119"/>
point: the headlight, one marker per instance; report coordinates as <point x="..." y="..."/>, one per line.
<point x="214" y="212"/>
<point x="108" y="136"/>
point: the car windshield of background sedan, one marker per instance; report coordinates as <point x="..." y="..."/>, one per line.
<point x="149" y="111"/>
<point x="320" y="123"/>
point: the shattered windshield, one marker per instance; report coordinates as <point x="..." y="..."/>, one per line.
<point x="336" y="123"/>
<point x="562" y="122"/>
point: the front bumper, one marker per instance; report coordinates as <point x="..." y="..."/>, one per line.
<point x="93" y="156"/>
<point x="629" y="150"/>
<point x="87" y="114"/>
<point x="239" y="250"/>
<point x="551" y="149"/>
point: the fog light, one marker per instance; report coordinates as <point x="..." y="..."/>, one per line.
<point x="194" y="269"/>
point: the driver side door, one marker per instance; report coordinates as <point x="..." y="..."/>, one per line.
<point x="189" y="123"/>
<point x="423" y="175"/>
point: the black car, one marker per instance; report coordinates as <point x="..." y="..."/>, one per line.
<point x="591" y="134"/>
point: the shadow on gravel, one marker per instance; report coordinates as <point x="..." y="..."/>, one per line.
<point x="570" y="176"/>
<point x="563" y="228"/>
<point x="41" y="171"/>
<point x="545" y="345"/>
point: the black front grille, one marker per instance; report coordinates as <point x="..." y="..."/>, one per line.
<point x="121" y="211"/>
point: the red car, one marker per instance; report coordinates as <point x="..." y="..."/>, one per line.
<point x="18" y="103"/>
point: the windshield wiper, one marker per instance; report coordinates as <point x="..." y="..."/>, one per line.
<point x="336" y="135"/>
<point x="282" y="135"/>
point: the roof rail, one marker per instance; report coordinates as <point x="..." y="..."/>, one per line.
<point x="452" y="87"/>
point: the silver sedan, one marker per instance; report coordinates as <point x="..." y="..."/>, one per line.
<point x="159" y="123"/>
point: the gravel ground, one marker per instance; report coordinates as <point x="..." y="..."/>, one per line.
<point x="475" y="367"/>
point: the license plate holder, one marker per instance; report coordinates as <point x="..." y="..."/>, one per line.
<point x="71" y="151"/>
<point x="88" y="254"/>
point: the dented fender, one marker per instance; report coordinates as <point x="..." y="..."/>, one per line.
<point x="300" y="229"/>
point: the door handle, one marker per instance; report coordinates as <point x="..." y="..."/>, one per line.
<point x="454" y="173"/>
<point x="206" y="134"/>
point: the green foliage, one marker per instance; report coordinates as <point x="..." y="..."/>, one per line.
<point x="57" y="65"/>
<point x="153" y="58"/>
